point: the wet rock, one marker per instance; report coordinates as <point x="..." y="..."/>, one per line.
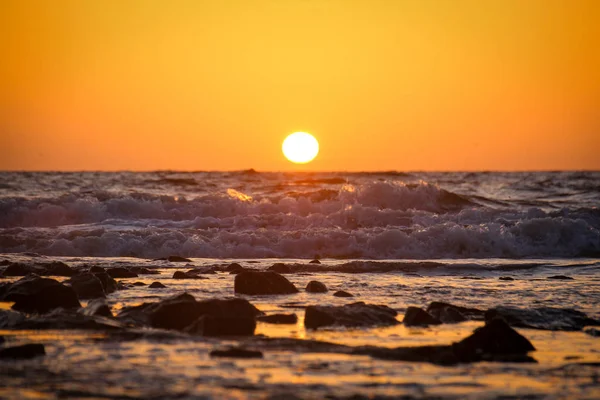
<point x="343" y="293"/>
<point x="156" y="285"/>
<point x="18" y="269"/>
<point x="236" y="352"/>
<point x="547" y="318"/>
<point x="95" y="269"/>
<point x="592" y="332"/>
<point x="45" y="297"/>
<point x="98" y="307"/>
<point x="211" y="325"/>
<point x="316" y="287"/>
<point x="315" y="261"/>
<point x="25" y="286"/>
<point x="279" y="318"/>
<point x="262" y="283"/>
<point x="280" y="268"/>
<point x="560" y="277"/>
<point x="57" y="319"/>
<point x="87" y="286"/>
<point x="416" y="316"/>
<point x="25" y="351"/>
<point x="178" y="259"/>
<point x="506" y="278"/>
<point x="179" y="312"/>
<point x="185" y="275"/>
<point x="202" y="270"/>
<point x="120" y="272"/>
<point x="234" y="268"/>
<point x="355" y="315"/>
<point x="144" y="271"/>
<point x="138" y="284"/>
<point x="58" y="268"/>
<point x="449" y="313"/>
<point x="108" y="283"/>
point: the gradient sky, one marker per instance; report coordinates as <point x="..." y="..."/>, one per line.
<point x="217" y="85"/>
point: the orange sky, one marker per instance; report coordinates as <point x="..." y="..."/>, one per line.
<point x="217" y="85"/>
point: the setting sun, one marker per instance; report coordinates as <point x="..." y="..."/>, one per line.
<point x="300" y="147"/>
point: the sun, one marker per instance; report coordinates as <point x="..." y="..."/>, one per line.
<point x="300" y="147"/>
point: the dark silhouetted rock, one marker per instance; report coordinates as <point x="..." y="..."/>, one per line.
<point x="280" y="268"/>
<point x="25" y="287"/>
<point x="315" y="261"/>
<point x="355" y="314"/>
<point x="416" y="316"/>
<point x="343" y="293"/>
<point x="234" y="268"/>
<point x="179" y="312"/>
<point x="592" y="332"/>
<point x="506" y="278"/>
<point x="57" y="319"/>
<point x="138" y="284"/>
<point x="202" y="270"/>
<point x="210" y="325"/>
<point x="144" y="271"/>
<point x="178" y="259"/>
<point x="95" y="269"/>
<point x="25" y="351"/>
<point x="561" y="277"/>
<point x="449" y="313"/>
<point x="57" y="268"/>
<point x="262" y="283"/>
<point x="47" y="298"/>
<point x="316" y="287"/>
<point x="278" y="318"/>
<point x="157" y="285"/>
<point x="98" y="307"/>
<point x="87" y="286"/>
<point x="108" y="283"/>
<point x="185" y="275"/>
<point x="236" y="352"/>
<point x="18" y="269"/>
<point x="548" y="318"/>
<point x="494" y="339"/>
<point x="120" y="272"/>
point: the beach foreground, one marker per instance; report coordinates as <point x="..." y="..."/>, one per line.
<point x="119" y="357"/>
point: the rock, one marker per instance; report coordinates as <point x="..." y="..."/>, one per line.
<point x="138" y="284"/>
<point x="234" y="268"/>
<point x="449" y="313"/>
<point x="157" y="285"/>
<point x="202" y="270"/>
<point x="87" y="286"/>
<point x="560" y="277"/>
<point x="278" y="319"/>
<point x="210" y="325"/>
<point x="315" y="261"/>
<point x="95" y="269"/>
<point x="262" y="283"/>
<point x="178" y="259"/>
<point x="342" y="293"/>
<point x="355" y="315"/>
<point x="547" y="318"/>
<point x="98" y="307"/>
<point x="492" y="342"/>
<point x="25" y="287"/>
<point x="108" y="282"/>
<point x="236" y="352"/>
<point x="56" y="319"/>
<point x="25" y="351"/>
<point x="316" y="287"/>
<point x="416" y="316"/>
<point x="144" y="271"/>
<point x="185" y="275"/>
<point x="46" y="298"/>
<point x="592" y="332"/>
<point x="280" y="268"/>
<point x="179" y="312"/>
<point x="18" y="269"/>
<point x="120" y="272"/>
<point x="57" y="268"/>
<point x="506" y="278"/>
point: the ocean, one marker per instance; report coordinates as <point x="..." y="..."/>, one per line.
<point x="527" y="241"/>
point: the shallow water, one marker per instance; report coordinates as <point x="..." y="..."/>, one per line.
<point x="100" y="365"/>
